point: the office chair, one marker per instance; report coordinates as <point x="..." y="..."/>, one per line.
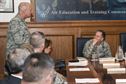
<point x="80" y="42"/>
<point x="123" y="41"/>
<point x="60" y="66"/>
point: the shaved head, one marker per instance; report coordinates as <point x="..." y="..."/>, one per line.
<point x="25" y="9"/>
<point x="24" y="6"/>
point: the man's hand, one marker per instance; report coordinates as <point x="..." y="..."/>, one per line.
<point x="96" y="42"/>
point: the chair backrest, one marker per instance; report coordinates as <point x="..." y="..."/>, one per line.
<point x="80" y="42"/>
<point x="123" y="41"/>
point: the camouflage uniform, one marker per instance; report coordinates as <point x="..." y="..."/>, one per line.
<point x="59" y="79"/>
<point x="17" y="35"/>
<point x="102" y="50"/>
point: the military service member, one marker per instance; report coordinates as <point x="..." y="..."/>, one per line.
<point x="97" y="46"/>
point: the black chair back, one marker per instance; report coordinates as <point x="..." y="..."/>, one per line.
<point x="123" y="41"/>
<point x="80" y="43"/>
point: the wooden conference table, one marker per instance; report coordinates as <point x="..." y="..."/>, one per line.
<point x="96" y="71"/>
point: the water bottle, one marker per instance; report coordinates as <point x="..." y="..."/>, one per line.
<point x="119" y="54"/>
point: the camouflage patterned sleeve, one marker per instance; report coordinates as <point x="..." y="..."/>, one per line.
<point x="19" y="31"/>
<point x="87" y="50"/>
<point x="106" y="50"/>
<point x="103" y="50"/>
<point x="59" y="79"/>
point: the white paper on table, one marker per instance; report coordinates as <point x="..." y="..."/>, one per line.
<point x="82" y="59"/>
<point x="116" y="70"/>
<point x="79" y="69"/>
<point x="107" y="60"/>
<point x="111" y="65"/>
<point x="87" y="80"/>
<point x="120" y="81"/>
<point x="80" y="63"/>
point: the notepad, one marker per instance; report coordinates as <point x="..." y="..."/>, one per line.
<point x="79" y="69"/>
<point x="116" y="71"/>
<point x="107" y="60"/>
<point x="120" y="81"/>
<point x="87" y="80"/>
<point x="111" y="65"/>
<point x="80" y="63"/>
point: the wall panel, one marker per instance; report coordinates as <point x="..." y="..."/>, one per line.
<point x="62" y="47"/>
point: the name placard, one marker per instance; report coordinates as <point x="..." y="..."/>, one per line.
<point x="116" y="71"/>
<point x="111" y="65"/>
<point x="120" y="81"/>
<point x="87" y="80"/>
<point x="107" y="60"/>
<point x="79" y="69"/>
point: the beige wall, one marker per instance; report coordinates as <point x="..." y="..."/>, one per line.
<point x="5" y="17"/>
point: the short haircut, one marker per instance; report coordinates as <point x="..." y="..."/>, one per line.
<point x="47" y="43"/>
<point x="37" y="67"/>
<point x="37" y="38"/>
<point x="103" y="33"/>
<point x="23" y="6"/>
<point x="16" y="60"/>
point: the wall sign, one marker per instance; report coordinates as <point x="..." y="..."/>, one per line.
<point x="57" y="10"/>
